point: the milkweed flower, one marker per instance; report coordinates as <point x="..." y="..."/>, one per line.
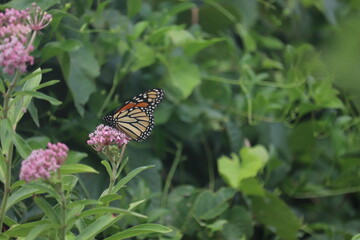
<point x="105" y="136"/>
<point x="42" y="162"/>
<point x="16" y="44"/>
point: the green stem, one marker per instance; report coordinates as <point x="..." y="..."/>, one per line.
<point x="60" y="190"/>
<point x="115" y="163"/>
<point x="9" y="154"/>
<point x="171" y="174"/>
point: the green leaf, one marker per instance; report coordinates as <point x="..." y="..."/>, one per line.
<point x="21" y="146"/>
<point x="39" y="95"/>
<point x="193" y="47"/>
<point x="23" y="4"/>
<point x="52" y="49"/>
<point x="276" y="215"/>
<point x="253" y="160"/>
<point x="106" y="210"/>
<point x="21" y="103"/>
<point x="2" y="87"/>
<point x="21" y="194"/>
<point x="184" y="76"/>
<point x="356" y="237"/>
<point x="251" y="186"/>
<point x="99" y="225"/>
<point x="217" y="225"/>
<point x="139" y="230"/>
<point x="107" y="166"/>
<point x="23" y="230"/>
<point x="76" y="168"/>
<point x="2" y="168"/>
<point x="40" y="228"/>
<point x="6" y="135"/>
<point x="128" y="177"/>
<point x="137" y="30"/>
<point x="106" y="199"/>
<point x="47" y="209"/>
<point x="34" y="113"/>
<point x="229" y="169"/>
<point x="80" y="68"/>
<point x="143" y="56"/>
<point x="75" y="157"/>
<point x="239" y="224"/>
<point x="133" y="7"/>
<point x="240" y="175"/>
<point x="209" y="205"/>
<point x="69" y="182"/>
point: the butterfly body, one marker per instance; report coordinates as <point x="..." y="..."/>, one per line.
<point x="135" y="117"/>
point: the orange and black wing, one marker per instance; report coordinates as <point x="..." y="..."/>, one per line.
<point x="135" y="117"/>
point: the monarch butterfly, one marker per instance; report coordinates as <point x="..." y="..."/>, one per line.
<point x="135" y="117"/>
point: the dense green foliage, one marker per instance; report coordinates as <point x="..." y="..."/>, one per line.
<point x="258" y="135"/>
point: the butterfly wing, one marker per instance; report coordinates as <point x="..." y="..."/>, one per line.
<point x="135" y="117"/>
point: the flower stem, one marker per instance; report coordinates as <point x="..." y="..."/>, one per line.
<point x="62" y="203"/>
<point x="115" y="163"/>
<point x="9" y="154"/>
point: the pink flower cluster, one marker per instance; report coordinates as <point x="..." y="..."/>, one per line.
<point x="15" y="30"/>
<point x="42" y="162"/>
<point x="105" y="136"/>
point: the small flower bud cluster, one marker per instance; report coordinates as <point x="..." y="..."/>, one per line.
<point x="42" y="162"/>
<point x="15" y="42"/>
<point x="106" y="136"/>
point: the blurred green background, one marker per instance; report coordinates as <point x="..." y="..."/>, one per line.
<point x="258" y="135"/>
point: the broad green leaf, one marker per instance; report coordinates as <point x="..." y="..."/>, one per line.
<point x="99" y="225"/>
<point x="128" y="177"/>
<point x="75" y="157"/>
<point x="76" y="168"/>
<point x="239" y="224"/>
<point x="234" y="171"/>
<point x="52" y="49"/>
<point x="139" y="230"/>
<point x="229" y="169"/>
<point x="21" y="194"/>
<point x="251" y="186"/>
<point x="356" y="237"/>
<point x="39" y="229"/>
<point x="184" y="76"/>
<point x="133" y="7"/>
<point x="47" y="209"/>
<point x="276" y="215"/>
<point x="38" y="95"/>
<point x="43" y="187"/>
<point x="22" y="230"/>
<point x="80" y="68"/>
<point x="253" y="159"/>
<point x="143" y="56"/>
<point x="21" y="146"/>
<point x="209" y="205"/>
